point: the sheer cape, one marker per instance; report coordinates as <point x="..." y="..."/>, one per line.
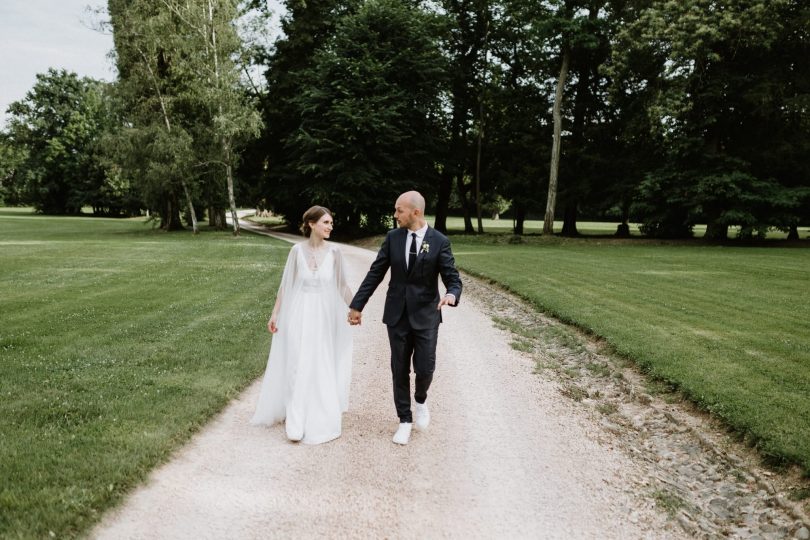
<point x="313" y="343"/>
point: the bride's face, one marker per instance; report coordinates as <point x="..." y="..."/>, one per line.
<point x="323" y="227"/>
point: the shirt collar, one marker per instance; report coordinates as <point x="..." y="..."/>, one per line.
<point x="420" y="233"/>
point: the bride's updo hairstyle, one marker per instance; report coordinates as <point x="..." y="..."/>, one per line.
<point x="312" y="216"/>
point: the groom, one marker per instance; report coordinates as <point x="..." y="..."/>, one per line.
<point x="417" y="255"/>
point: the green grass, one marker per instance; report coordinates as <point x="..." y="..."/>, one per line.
<point x="588" y="228"/>
<point x="668" y="501"/>
<point x="117" y="342"/>
<point x="272" y="221"/>
<point x="728" y="326"/>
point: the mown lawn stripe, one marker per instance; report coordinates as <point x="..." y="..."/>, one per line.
<point x="730" y="326"/>
<point x="117" y="342"/>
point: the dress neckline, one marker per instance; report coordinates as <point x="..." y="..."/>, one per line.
<point x="314" y="259"/>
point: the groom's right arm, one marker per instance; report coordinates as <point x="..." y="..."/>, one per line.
<point x="375" y="275"/>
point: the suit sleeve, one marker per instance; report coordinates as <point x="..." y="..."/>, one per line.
<point x="447" y="269"/>
<point x="375" y="275"/>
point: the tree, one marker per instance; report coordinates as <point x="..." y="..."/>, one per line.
<point x="180" y="85"/>
<point x="11" y="185"/>
<point x="716" y="91"/>
<point x="54" y="135"/>
<point x="208" y="61"/>
<point x="369" y="115"/>
<point x="306" y="28"/>
<point x="518" y="128"/>
<point x="464" y="38"/>
<point x="152" y="91"/>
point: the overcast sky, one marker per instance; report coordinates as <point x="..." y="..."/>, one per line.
<point x="38" y="34"/>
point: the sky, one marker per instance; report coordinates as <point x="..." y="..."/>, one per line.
<point x="39" y="34"/>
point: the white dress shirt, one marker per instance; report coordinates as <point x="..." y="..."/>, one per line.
<point x="420" y="235"/>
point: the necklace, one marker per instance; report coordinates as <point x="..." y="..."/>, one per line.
<point x="313" y="256"/>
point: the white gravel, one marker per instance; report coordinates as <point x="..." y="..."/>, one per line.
<point x="505" y="457"/>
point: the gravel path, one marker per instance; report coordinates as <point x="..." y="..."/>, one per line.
<point x="506" y="456"/>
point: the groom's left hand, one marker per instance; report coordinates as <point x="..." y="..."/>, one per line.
<point x="448" y="300"/>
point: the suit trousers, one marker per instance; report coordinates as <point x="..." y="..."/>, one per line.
<point x="406" y="344"/>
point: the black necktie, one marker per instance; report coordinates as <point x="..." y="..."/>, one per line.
<point x="412" y="252"/>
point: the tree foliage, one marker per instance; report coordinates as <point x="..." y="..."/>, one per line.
<point x="725" y="103"/>
<point x="670" y="114"/>
<point x="369" y="110"/>
<point x="185" y="111"/>
<point x="53" y="141"/>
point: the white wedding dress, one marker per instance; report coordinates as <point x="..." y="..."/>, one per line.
<point x="308" y="372"/>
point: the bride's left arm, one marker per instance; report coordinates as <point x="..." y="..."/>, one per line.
<point x="340" y="277"/>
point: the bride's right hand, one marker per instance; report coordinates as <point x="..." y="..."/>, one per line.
<point x="271" y="325"/>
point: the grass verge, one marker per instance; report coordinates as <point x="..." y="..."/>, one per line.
<point x="117" y="341"/>
<point x="728" y="326"/>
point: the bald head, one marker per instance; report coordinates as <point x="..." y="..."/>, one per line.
<point x="413" y="199"/>
<point x="409" y="210"/>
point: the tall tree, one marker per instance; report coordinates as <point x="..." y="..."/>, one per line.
<point x="465" y="37"/>
<point x="369" y="114"/>
<point x="54" y="135"/>
<point x="573" y="32"/>
<point x="208" y="60"/>
<point x="518" y="127"/>
<point x="153" y="91"/>
<point x="180" y="84"/>
<point x="11" y="181"/>
<point x="717" y="73"/>
<point x="306" y="27"/>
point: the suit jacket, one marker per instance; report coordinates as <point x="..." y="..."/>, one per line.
<point x="416" y="288"/>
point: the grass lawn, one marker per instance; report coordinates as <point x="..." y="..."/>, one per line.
<point x="588" y="228"/>
<point x="729" y="326"/>
<point x="117" y="342"/>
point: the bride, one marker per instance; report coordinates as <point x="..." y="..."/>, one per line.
<point x="307" y="379"/>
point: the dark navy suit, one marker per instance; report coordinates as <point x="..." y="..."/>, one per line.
<point x="410" y="308"/>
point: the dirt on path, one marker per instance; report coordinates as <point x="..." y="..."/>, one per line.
<point x="506" y="456"/>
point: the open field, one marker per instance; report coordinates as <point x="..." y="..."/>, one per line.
<point x="117" y="342"/>
<point x="729" y="326"/>
<point x="532" y="227"/>
<point x="589" y="228"/>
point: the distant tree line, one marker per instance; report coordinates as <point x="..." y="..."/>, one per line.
<point x="668" y="114"/>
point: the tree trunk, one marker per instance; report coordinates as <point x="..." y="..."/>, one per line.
<point x="226" y="147"/>
<point x="481" y="132"/>
<point x="216" y="218"/>
<point x="226" y="143"/>
<point x="170" y="217"/>
<point x="190" y="208"/>
<point x="548" y="223"/>
<point x="443" y="202"/>
<point x="570" y="220"/>
<point x="520" y="218"/>
<point x="716" y="231"/>
<point x="793" y="233"/>
<point x="465" y="203"/>
<point x="478" y="169"/>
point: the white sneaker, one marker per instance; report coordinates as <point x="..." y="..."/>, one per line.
<point x="403" y="434"/>
<point x="421" y="416"/>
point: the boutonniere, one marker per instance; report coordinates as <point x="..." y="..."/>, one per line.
<point x="425" y="247"/>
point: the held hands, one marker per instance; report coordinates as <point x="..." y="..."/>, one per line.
<point x="355" y="317"/>
<point x="448" y="300"/>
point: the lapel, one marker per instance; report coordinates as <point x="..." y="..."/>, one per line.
<point x="400" y="250"/>
<point x="425" y="241"/>
<point x="421" y="253"/>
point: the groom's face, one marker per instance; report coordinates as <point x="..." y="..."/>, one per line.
<point x="403" y="213"/>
